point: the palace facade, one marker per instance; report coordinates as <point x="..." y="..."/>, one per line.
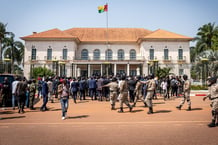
<point x="87" y="51"/>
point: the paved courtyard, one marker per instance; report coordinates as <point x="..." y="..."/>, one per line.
<point x="93" y="123"/>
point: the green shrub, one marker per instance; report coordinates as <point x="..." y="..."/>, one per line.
<point x="199" y="87"/>
<point x="41" y="71"/>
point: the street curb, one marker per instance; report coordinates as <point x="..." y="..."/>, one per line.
<point x="198" y="94"/>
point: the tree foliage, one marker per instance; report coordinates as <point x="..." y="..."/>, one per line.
<point x="41" y="71"/>
<point x="14" y="50"/>
<point x="163" y="72"/>
<point x="206" y="48"/>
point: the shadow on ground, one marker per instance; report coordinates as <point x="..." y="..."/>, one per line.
<point x="163" y="111"/>
<point x="195" y="109"/>
<point x="159" y="103"/>
<point x="82" y="102"/>
<point x="139" y="110"/>
<point x="13" y="117"/>
<point x="78" y="117"/>
<point x="7" y="112"/>
<point x="58" y="109"/>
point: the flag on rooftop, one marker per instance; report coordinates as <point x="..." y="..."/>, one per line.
<point x="103" y="8"/>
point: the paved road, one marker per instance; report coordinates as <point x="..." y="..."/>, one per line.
<point x="93" y="123"/>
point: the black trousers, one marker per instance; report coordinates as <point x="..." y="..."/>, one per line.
<point x="131" y="95"/>
<point x="21" y="101"/>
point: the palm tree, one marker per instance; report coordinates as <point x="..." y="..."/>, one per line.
<point x="15" y="50"/>
<point x="163" y="72"/>
<point x="3" y="35"/>
<point x="193" y="54"/>
<point x="206" y="37"/>
<point x="206" y="47"/>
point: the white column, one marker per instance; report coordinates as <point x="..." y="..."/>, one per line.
<point x="101" y="69"/>
<point x="127" y="69"/>
<point x="78" y="72"/>
<point x="89" y="70"/>
<point x="115" y="69"/>
<point x="137" y="71"/>
<point x="75" y="70"/>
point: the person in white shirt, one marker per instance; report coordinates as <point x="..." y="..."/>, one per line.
<point x="164" y="88"/>
<point x="14" y="86"/>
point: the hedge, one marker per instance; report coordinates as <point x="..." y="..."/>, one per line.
<point x="199" y="87"/>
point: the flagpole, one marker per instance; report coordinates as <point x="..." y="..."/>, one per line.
<point x="107" y="43"/>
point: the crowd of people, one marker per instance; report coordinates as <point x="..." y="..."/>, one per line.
<point x="125" y="90"/>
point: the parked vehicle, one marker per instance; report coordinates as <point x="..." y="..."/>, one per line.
<point x="11" y="78"/>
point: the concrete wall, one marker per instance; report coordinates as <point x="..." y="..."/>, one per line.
<point x="142" y="53"/>
<point x="173" y="47"/>
<point x="113" y="47"/>
<point x="41" y="53"/>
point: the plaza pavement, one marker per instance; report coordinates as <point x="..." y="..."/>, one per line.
<point x="93" y="123"/>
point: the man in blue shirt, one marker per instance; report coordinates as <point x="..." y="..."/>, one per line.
<point x="44" y="95"/>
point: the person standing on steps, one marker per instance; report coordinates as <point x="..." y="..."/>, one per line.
<point x="187" y="89"/>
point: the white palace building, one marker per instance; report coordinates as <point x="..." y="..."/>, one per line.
<point x="106" y="51"/>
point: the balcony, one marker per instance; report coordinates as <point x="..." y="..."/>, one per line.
<point x="181" y="59"/>
<point x="167" y="59"/>
<point x="152" y="58"/>
<point x="33" y="59"/>
<point x="138" y="58"/>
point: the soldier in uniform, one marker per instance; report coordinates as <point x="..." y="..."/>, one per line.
<point x="213" y="96"/>
<point x="186" y="88"/>
<point x="113" y="87"/>
<point x="32" y="89"/>
<point x="138" y="90"/>
<point x="151" y="85"/>
<point x="124" y="95"/>
<point x="21" y="94"/>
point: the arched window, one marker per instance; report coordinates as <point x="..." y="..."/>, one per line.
<point x="96" y="54"/>
<point x="84" y="54"/>
<point x="132" y="55"/>
<point x="120" y="54"/>
<point x="108" y="54"/>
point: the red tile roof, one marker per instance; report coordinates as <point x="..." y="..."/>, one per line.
<point x="163" y="34"/>
<point x="53" y="33"/>
<point x="110" y="34"/>
<point x="104" y="34"/>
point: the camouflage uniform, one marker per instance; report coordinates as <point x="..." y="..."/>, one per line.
<point x="124" y="96"/>
<point x="113" y="86"/>
<point x="150" y="93"/>
<point x="187" y="89"/>
<point x="138" y="94"/>
<point x="213" y="96"/>
<point x="32" y="89"/>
